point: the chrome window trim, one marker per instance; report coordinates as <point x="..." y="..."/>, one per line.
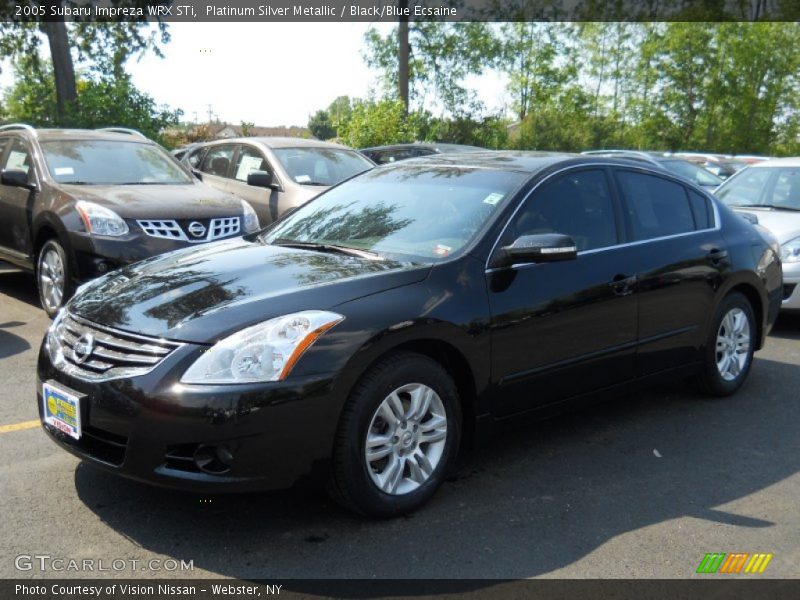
<point x="586" y="166"/>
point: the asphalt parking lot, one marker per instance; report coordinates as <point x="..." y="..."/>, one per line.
<point x="642" y="486"/>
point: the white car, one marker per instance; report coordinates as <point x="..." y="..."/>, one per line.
<point x="770" y="192"/>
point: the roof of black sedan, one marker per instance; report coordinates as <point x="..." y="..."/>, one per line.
<point x="502" y="160"/>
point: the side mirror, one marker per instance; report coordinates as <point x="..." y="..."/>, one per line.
<point x="540" y="248"/>
<point x="197" y="174"/>
<point x="260" y="179"/>
<point x="15" y="178"/>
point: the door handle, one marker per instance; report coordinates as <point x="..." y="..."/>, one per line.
<point x="717" y="256"/>
<point x="623" y="285"/>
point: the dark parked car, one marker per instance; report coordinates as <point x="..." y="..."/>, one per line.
<point x="75" y="204"/>
<point x="381" y="155"/>
<point x="274" y="174"/>
<point x="372" y="331"/>
<point x="677" y="166"/>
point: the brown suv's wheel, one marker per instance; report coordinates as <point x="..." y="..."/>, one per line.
<point x="53" y="277"/>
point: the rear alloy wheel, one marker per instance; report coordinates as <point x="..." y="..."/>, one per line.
<point x="53" y="277"/>
<point x="398" y="436"/>
<point x="729" y="350"/>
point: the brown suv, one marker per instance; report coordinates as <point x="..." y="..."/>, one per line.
<point x="75" y="204"/>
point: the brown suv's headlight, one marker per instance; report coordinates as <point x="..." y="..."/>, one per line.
<point x="100" y="220"/>
<point x="250" y="218"/>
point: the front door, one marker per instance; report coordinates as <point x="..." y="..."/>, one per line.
<point x="566" y="328"/>
<point x="16" y="202"/>
<point x="263" y="200"/>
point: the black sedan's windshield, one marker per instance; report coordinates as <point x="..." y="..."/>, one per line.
<point x="101" y="162"/>
<point x="414" y="212"/>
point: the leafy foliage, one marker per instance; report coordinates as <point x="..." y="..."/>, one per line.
<point x="102" y="101"/>
<point x="720" y="87"/>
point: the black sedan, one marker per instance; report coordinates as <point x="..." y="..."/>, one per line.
<point x="401" y="315"/>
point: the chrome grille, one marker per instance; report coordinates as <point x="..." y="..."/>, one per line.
<point x="171" y="229"/>
<point x="221" y="228"/>
<point x="111" y="353"/>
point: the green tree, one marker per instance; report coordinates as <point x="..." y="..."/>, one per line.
<point x="102" y="46"/>
<point x="375" y="123"/>
<point x="101" y="102"/>
<point x="441" y="56"/>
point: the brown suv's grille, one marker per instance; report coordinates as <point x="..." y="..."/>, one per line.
<point x="91" y="351"/>
<point x="194" y="231"/>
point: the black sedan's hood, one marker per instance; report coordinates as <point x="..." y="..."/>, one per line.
<point x="204" y="294"/>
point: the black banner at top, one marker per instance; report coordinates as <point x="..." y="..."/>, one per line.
<point x="265" y="11"/>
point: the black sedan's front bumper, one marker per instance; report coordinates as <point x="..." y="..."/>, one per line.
<point x="206" y="439"/>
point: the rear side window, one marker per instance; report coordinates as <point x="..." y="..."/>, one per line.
<point x="701" y="210"/>
<point x="218" y="161"/>
<point x="655" y="207"/>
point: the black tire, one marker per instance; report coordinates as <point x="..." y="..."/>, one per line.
<point x="351" y="484"/>
<point x="49" y="303"/>
<point x="710" y="380"/>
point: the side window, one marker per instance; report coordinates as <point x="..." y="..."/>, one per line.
<point x="19" y="158"/>
<point x="701" y="210"/>
<point x="656" y="207"/>
<point x="194" y="157"/>
<point x="217" y="160"/>
<point x="3" y="145"/>
<point x="578" y="204"/>
<point x="249" y="160"/>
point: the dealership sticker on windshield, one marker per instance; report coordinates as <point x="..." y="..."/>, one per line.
<point x="62" y="410"/>
<point x="64" y="171"/>
<point x="493" y="198"/>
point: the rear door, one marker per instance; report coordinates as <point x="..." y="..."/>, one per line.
<point x="680" y="256"/>
<point x="16" y="203"/>
<point x="563" y="329"/>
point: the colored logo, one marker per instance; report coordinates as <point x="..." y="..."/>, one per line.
<point x="734" y="563"/>
<point x="52" y="405"/>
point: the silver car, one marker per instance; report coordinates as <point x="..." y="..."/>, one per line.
<point x="770" y="192"/>
<point x="274" y="174"/>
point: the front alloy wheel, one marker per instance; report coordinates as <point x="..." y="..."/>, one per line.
<point x="52" y="277"/>
<point x="398" y="436"/>
<point x="406" y="439"/>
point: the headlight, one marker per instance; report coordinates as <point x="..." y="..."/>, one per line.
<point x="251" y="223"/>
<point x="100" y="220"/>
<point x="263" y="352"/>
<point x="790" y="251"/>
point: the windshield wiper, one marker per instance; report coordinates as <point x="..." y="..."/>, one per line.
<point x="77" y="183"/>
<point x="766" y="206"/>
<point x="329" y="248"/>
<point x="313" y="183"/>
